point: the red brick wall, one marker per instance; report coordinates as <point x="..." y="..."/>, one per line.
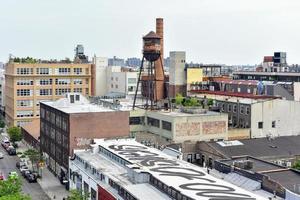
<point x="84" y="126"/>
<point x="104" y="195"/>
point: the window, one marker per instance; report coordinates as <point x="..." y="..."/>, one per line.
<point x="61" y="81"/>
<point x="229" y="107"/>
<point x="44" y="81"/>
<point x="77" y="70"/>
<point x="131" y="88"/>
<point x="117" y="79"/>
<point x="117" y="86"/>
<point x="131" y="80"/>
<point x="77" y="81"/>
<point x="136" y="120"/>
<point x="78" y="90"/>
<point x="24" y="70"/>
<point x="64" y="70"/>
<point x="273" y="124"/>
<point x="25" y="113"/>
<point x="44" y="92"/>
<point x="247" y="110"/>
<point x="242" y="109"/>
<point x="223" y="107"/>
<point x="260" y="125"/>
<point x="43" y="71"/>
<point x="153" y="122"/>
<point x="167" y="125"/>
<point x="24" y="82"/>
<point x="24" y="92"/>
<point x="112" y="85"/>
<point x="234" y="108"/>
<point x="24" y="103"/>
<point x="62" y="91"/>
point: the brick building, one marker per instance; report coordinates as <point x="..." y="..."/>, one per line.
<point x="73" y="122"/>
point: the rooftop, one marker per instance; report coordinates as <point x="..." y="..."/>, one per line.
<point x="174" y="173"/>
<point x="266" y="73"/>
<point x="285" y="146"/>
<point x="77" y="103"/>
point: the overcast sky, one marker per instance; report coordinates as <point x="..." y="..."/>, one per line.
<point x="210" y="31"/>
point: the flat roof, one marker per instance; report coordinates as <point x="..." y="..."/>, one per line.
<point x="284" y="146"/>
<point x="178" y="113"/>
<point x="267" y="73"/>
<point x="190" y="180"/>
<point x="81" y="106"/>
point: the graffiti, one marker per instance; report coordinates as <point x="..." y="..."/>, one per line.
<point x="215" y="127"/>
<point x="82" y="141"/>
<point x="198" y="181"/>
<point x="188" y="128"/>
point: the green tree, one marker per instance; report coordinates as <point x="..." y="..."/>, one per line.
<point x="2" y="124"/>
<point x="10" y="189"/>
<point x="210" y="102"/>
<point x="34" y="156"/>
<point x="14" y="134"/>
<point x="179" y="99"/>
<point x="78" y="195"/>
<point x="191" y="102"/>
<point x="296" y="165"/>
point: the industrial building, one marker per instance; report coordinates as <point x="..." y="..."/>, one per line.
<point x="26" y="84"/>
<point x="73" y="122"/>
<point x="126" y="169"/>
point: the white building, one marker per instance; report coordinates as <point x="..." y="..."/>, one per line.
<point x="125" y="169"/>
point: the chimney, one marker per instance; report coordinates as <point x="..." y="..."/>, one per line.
<point x="159" y="70"/>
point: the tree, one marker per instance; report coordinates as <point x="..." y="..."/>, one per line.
<point x="179" y="99"/>
<point x="78" y="195"/>
<point x="34" y="157"/>
<point x="210" y="102"/>
<point x="2" y="124"/>
<point x="10" y="189"/>
<point x="14" y="134"/>
<point x="297" y="165"/>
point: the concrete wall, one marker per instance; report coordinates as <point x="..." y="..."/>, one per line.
<point x="284" y="113"/>
<point x="238" y="133"/>
<point x="177" y="66"/>
<point x="297" y="91"/>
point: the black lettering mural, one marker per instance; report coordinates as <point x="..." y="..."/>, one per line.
<point x="169" y="167"/>
<point x="224" y="193"/>
<point x="190" y="174"/>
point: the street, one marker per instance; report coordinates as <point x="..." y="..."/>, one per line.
<point x="8" y="163"/>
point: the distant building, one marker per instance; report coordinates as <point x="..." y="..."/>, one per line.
<point x="73" y="122"/>
<point x="2" y="91"/>
<point x="133" y="62"/>
<point x="125" y="169"/>
<point x="116" y="61"/>
<point x="27" y="84"/>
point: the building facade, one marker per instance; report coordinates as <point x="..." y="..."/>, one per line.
<point x="26" y="85"/>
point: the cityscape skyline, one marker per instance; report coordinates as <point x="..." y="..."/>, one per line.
<point x="237" y="32"/>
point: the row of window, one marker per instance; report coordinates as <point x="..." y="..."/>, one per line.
<point x="233" y="108"/>
<point x="48" y="71"/>
<point x="261" y="124"/>
<point x="49" y="81"/>
<point x="48" y="92"/>
<point x="156" y="123"/>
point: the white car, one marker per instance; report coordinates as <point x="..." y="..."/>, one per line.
<point x="1" y="155"/>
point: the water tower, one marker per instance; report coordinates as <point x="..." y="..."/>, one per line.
<point x="149" y="82"/>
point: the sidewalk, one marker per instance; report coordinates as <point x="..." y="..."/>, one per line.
<point x="49" y="183"/>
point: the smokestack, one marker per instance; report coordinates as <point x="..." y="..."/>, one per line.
<point x="159" y="69"/>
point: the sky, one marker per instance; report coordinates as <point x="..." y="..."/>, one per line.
<point x="210" y="31"/>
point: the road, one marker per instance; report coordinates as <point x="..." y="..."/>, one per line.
<point x="8" y="164"/>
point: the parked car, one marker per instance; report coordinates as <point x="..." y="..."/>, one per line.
<point x="1" y="155"/>
<point x="23" y="168"/>
<point x="5" y="142"/>
<point x="11" y="151"/>
<point x="20" y="164"/>
<point x="25" y="173"/>
<point x="31" y="178"/>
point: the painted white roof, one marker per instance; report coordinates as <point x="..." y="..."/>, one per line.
<point x="81" y="106"/>
<point x="190" y="180"/>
